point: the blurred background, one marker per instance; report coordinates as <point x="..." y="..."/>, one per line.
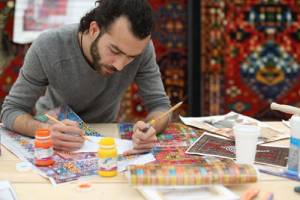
<point x="219" y="55"/>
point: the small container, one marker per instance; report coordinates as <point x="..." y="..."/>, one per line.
<point x="294" y="152"/>
<point x="107" y="155"/>
<point x="43" y="148"/>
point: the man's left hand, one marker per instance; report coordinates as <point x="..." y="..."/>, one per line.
<point x="143" y="138"/>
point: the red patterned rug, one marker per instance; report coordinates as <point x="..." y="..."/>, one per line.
<point x="11" y="55"/>
<point x="250" y="56"/>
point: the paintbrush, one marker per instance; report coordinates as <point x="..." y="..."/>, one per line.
<point x="59" y="122"/>
<point x="152" y="122"/>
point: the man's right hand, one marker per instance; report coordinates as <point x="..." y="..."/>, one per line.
<point x="66" y="137"/>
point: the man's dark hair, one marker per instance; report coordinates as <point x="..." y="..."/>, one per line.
<point x="138" y="13"/>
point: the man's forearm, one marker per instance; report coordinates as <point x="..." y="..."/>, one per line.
<point x="161" y="124"/>
<point x="26" y="125"/>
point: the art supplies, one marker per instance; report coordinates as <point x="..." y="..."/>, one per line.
<point x="176" y="134"/>
<point x="192" y="174"/>
<point x="65" y="112"/>
<point x="277" y="171"/>
<point x="6" y="191"/>
<point x="250" y="194"/>
<point x="294" y="153"/>
<point x="246" y="137"/>
<point x="214" y="192"/>
<point x="214" y="145"/>
<point x="107" y="155"/>
<point x="223" y="124"/>
<point x="153" y="121"/>
<point x="59" y="122"/>
<point x="43" y="148"/>
<point x="92" y="145"/>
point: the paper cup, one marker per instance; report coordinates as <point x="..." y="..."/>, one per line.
<point x="246" y="137"/>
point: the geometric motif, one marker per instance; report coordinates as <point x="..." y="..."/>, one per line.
<point x="252" y="47"/>
<point x="11" y="55"/>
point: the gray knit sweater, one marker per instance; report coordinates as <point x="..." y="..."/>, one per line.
<point x="55" y="72"/>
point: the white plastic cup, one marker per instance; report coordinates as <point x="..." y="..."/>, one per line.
<point x="246" y="137"/>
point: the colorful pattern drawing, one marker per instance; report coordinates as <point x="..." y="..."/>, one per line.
<point x="172" y="143"/>
<point x="65" y="112"/>
<point x="125" y="130"/>
<point x="175" y="134"/>
<point x="228" y="174"/>
<point x="250" y="56"/>
<point x="67" y="166"/>
<point x="177" y="155"/>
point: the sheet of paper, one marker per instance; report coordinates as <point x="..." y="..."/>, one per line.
<point x="216" y="192"/>
<point x="6" y="191"/>
<point x="124" y="162"/>
<point x="223" y="124"/>
<point x="214" y="145"/>
<point x="88" y="146"/>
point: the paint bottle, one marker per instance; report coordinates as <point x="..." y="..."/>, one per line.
<point x="294" y="152"/>
<point x="107" y="155"/>
<point x="43" y="148"/>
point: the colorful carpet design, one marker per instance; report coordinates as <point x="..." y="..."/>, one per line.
<point x="170" y="41"/>
<point x="11" y="55"/>
<point x="250" y="56"/>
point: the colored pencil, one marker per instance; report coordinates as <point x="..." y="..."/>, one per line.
<point x="59" y="122"/>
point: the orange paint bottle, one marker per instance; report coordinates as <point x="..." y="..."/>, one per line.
<point x="43" y="148"/>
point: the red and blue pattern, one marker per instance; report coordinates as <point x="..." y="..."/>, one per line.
<point x="252" y="49"/>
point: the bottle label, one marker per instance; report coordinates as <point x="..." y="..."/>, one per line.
<point x="40" y="153"/>
<point x="294" y="160"/>
<point x="295" y="142"/>
<point x="107" y="164"/>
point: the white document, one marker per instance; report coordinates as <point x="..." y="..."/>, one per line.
<point x="223" y="125"/>
<point x="88" y="146"/>
<point x="6" y="191"/>
<point x="135" y="160"/>
<point x="122" y="146"/>
<point x="215" y="192"/>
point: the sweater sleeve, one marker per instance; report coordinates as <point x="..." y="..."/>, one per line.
<point x="151" y="87"/>
<point x="29" y="86"/>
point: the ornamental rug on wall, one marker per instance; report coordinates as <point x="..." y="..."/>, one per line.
<point x="11" y="54"/>
<point x="250" y="56"/>
<point x="170" y="41"/>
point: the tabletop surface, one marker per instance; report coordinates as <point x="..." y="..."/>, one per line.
<point x="31" y="186"/>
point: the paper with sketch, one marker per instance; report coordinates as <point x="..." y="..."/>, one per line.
<point x="6" y="191"/>
<point x="214" y="145"/>
<point x="93" y="145"/>
<point x="223" y="124"/>
<point x="215" y="192"/>
<point x="68" y="166"/>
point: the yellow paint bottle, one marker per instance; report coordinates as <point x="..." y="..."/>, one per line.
<point x="107" y="154"/>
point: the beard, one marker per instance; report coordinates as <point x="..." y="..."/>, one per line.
<point x="101" y="68"/>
